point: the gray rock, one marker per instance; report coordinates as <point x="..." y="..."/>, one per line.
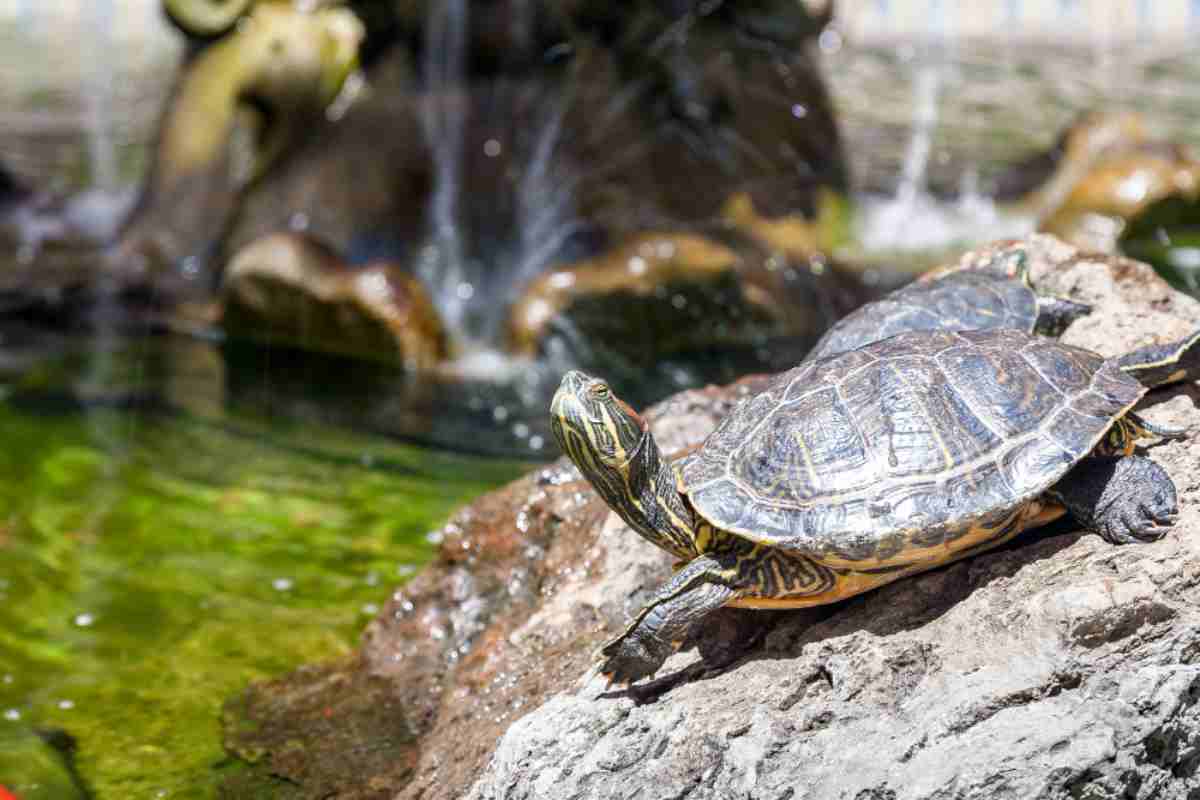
<point x="1057" y="667"/>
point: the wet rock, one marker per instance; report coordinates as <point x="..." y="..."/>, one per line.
<point x="560" y="128"/>
<point x="290" y="290"/>
<point x="316" y="737"/>
<point x="659" y="295"/>
<point x="1120" y="189"/>
<point x="1058" y="666"/>
<point x="1043" y="180"/>
<point x="1107" y="171"/>
<point x="794" y="234"/>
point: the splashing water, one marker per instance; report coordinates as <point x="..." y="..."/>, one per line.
<point x="913" y="219"/>
<point x="441" y="265"/>
<point x="98" y="98"/>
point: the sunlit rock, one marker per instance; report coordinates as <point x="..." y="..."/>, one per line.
<point x="290" y="290"/>
<point x="1097" y="211"/>
<point x="1107" y="170"/>
<point x="794" y="234"/>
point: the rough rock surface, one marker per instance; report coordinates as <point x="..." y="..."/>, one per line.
<point x="1059" y="666"/>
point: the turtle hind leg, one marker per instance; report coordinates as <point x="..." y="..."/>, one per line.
<point x="701" y="587"/>
<point x="1125" y="499"/>
<point x="1161" y="364"/>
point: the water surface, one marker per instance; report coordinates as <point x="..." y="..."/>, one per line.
<point x="154" y="559"/>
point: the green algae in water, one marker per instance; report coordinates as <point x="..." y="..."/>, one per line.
<point x="151" y="565"/>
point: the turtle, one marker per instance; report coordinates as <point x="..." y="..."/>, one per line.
<point x="997" y="294"/>
<point x="849" y="472"/>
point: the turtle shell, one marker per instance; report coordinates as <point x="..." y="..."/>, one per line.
<point x="967" y="300"/>
<point x="892" y="453"/>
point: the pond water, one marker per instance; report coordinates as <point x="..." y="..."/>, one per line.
<point x="154" y="558"/>
<point x="170" y="532"/>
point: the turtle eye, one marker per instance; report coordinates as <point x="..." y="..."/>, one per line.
<point x="599" y="390"/>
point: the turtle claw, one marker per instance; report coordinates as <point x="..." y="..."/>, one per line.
<point x="630" y="658"/>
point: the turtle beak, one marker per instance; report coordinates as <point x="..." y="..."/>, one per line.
<point x="566" y="404"/>
<point x="569" y="394"/>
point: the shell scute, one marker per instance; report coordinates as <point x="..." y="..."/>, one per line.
<point x="1006" y="392"/>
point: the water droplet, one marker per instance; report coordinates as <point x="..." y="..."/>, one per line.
<point x="637" y="265"/>
<point x="352" y="87"/>
<point x="282" y="584"/>
<point x="562" y="280"/>
<point x="492" y="148"/>
<point x="799" y="111"/>
<point x="536" y="442"/>
<point x="679" y="301"/>
<point x="84" y="620"/>
<point x="190" y="265"/>
<point x="370" y="609"/>
<point x="12" y="715"/>
<point x="66" y="705"/>
<point x="464" y="291"/>
<point x="520" y="430"/>
<point x="435" y="537"/>
<point x="298" y="221"/>
<point x="830" y="41"/>
<point x="499" y="413"/>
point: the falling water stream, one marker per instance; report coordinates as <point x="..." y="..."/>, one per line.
<point x="442" y="264"/>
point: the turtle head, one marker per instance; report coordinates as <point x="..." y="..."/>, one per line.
<point x="613" y="448"/>
<point x="594" y="427"/>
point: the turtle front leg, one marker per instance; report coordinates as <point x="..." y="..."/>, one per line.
<point x="1125" y="499"/>
<point x="701" y="587"/>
